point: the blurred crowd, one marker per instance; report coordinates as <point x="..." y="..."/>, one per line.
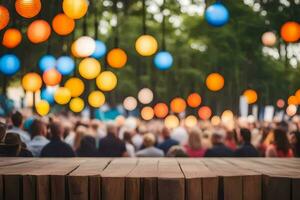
<point x="70" y="136"/>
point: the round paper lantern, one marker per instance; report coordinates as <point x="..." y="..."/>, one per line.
<point x="145" y="96"/>
<point x="146" y="45"/>
<point x="161" y="110"/>
<point x="290" y="32"/>
<point x="47" y="95"/>
<point x="171" y="121"/>
<point x="32" y="82"/>
<point x="178" y="105"/>
<point x="62" y="24"/>
<point x="147" y="113"/>
<point x="42" y="107"/>
<point x="65" y="65"/>
<point x="227" y="116"/>
<point x="28" y="8"/>
<point x="268" y="39"/>
<point x="100" y="50"/>
<point x="84" y="46"/>
<point x="194" y="100"/>
<point x="12" y="38"/>
<point x="76" y="105"/>
<point x="280" y="103"/>
<point x="297" y="94"/>
<point x="73" y="50"/>
<point x="75" y="9"/>
<point x="4" y="16"/>
<point x="217" y="15"/>
<point x="89" y="68"/>
<point x="251" y="96"/>
<point x="9" y="64"/>
<point x="38" y="31"/>
<point x="163" y="60"/>
<point x="62" y="95"/>
<point x="96" y="99"/>
<point x="215" y="82"/>
<point x="52" y="77"/>
<point x="106" y="81"/>
<point x="117" y="58"/>
<point x="76" y="86"/>
<point x="47" y="62"/>
<point x="291" y="110"/>
<point x="190" y="121"/>
<point x="204" y="112"/>
<point x="215" y="120"/>
<point x="130" y="103"/>
<point x="292" y="100"/>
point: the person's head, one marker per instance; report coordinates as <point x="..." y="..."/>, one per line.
<point x="17" y="119"/>
<point x="127" y="137"/>
<point x="3" y="128"/>
<point x="217" y="137"/>
<point x="14" y="144"/>
<point x="112" y="129"/>
<point x="245" y="135"/>
<point x="38" y="128"/>
<point x="281" y="140"/>
<point x="87" y="143"/>
<point x="195" y="139"/>
<point x="149" y="140"/>
<point x="295" y="141"/>
<point x="57" y="130"/>
<point x="176" y="151"/>
<point x="165" y="132"/>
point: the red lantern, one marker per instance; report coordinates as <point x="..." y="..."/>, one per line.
<point x="4" y="17"/>
<point x="38" y="31"/>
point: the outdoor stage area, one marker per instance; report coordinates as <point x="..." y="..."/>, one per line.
<point x="150" y="178"/>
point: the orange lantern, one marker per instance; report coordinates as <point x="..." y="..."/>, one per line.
<point x="194" y="100"/>
<point x="52" y="77"/>
<point x="62" y="24"/>
<point x="297" y="94"/>
<point x="38" y="31"/>
<point x="116" y="58"/>
<point x="292" y="100"/>
<point x="28" y="8"/>
<point x="290" y="32"/>
<point x="32" y="82"/>
<point x="178" y="105"/>
<point x="12" y="38"/>
<point x="4" y="17"/>
<point x="204" y="112"/>
<point x="147" y="113"/>
<point x="161" y="110"/>
<point x="215" y="82"/>
<point x="251" y="96"/>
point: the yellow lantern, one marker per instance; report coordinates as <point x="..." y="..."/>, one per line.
<point x="28" y="8"/>
<point x="251" y="96"/>
<point x="147" y="113"/>
<point x="227" y="116"/>
<point x="76" y="86"/>
<point x="76" y="105"/>
<point x="106" y="81"/>
<point x="215" y="82"/>
<point x="83" y="47"/>
<point x="146" y="45"/>
<point x="75" y="9"/>
<point x="62" y="95"/>
<point x="96" y="99"/>
<point x="89" y="68"/>
<point x="117" y="58"/>
<point x="32" y="82"/>
<point x="190" y="121"/>
<point x="171" y="121"/>
<point x="42" y="107"/>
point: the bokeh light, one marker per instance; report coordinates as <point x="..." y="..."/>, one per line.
<point x="215" y="120"/>
<point x="96" y="99"/>
<point x="280" y="103"/>
<point x="76" y="105"/>
<point x="89" y="68"/>
<point x="4" y="16"/>
<point x="178" y="105"/>
<point x="161" y="110"/>
<point x="84" y="47"/>
<point x="130" y="103"/>
<point x="146" y="45"/>
<point x="269" y="39"/>
<point x="290" y="32"/>
<point x="117" y="58"/>
<point x="42" y="107"/>
<point x="204" y="112"/>
<point x="145" y="96"/>
<point x="65" y="65"/>
<point x="62" y="24"/>
<point x="292" y="100"/>
<point x="38" y="31"/>
<point x="52" y="77"/>
<point x="47" y="62"/>
<point x="251" y="96"/>
<point x="147" y="113"/>
<point x="291" y="110"/>
<point x="9" y="64"/>
<point x="217" y="15"/>
<point x="47" y="94"/>
<point x="107" y="81"/>
<point x="215" y="82"/>
<point x="28" y="8"/>
<point x="194" y="100"/>
<point x="190" y="121"/>
<point x="32" y="82"/>
<point x="227" y="116"/>
<point x="12" y="38"/>
<point x="171" y="121"/>
<point x="163" y="60"/>
<point x="75" y="85"/>
<point x="62" y="95"/>
<point x="100" y="50"/>
<point x="75" y="9"/>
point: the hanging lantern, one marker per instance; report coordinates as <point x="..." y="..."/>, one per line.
<point x="106" y="81"/>
<point x="62" y="95"/>
<point x="28" y="8"/>
<point x="100" y="50"/>
<point x="146" y="45"/>
<point x="190" y="121"/>
<point x="194" y="100"/>
<point x="130" y="103"/>
<point x="89" y="68"/>
<point x="290" y="32"/>
<point x="215" y="82"/>
<point x="147" y="113"/>
<point x="4" y="16"/>
<point x="227" y="116"/>
<point x="47" y="62"/>
<point x="12" y="38"/>
<point x="178" y="105"/>
<point x="297" y="94"/>
<point x="9" y="64"/>
<point x="47" y="94"/>
<point x="204" y="112"/>
<point x="65" y="65"/>
<point x="280" y="103"/>
<point x="171" y="121"/>
<point x="76" y="105"/>
<point x="32" y="82"/>
<point x="75" y="9"/>
<point x="42" y="107"/>
<point x="62" y="24"/>
<point x="269" y="39"/>
<point x="96" y="99"/>
<point x="215" y="120"/>
<point x="145" y="96"/>
<point x="292" y="100"/>
<point x="291" y="110"/>
<point x="52" y="77"/>
<point x="163" y="60"/>
<point x="84" y="47"/>
<point x="75" y="85"/>
<point x="217" y="15"/>
<point x="251" y="96"/>
<point x="117" y="58"/>
<point x="38" y="31"/>
<point x="161" y="110"/>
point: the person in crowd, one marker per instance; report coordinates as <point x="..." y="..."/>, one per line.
<point x="87" y="147"/>
<point x="295" y="142"/>
<point x="150" y="150"/>
<point x="246" y="149"/>
<point x="3" y="129"/>
<point x="194" y="146"/>
<point x="137" y="138"/>
<point x="168" y="142"/>
<point x="218" y="149"/>
<point x="111" y="145"/>
<point x="129" y="145"/>
<point x="176" y="151"/>
<point x="280" y="146"/>
<point x="230" y="140"/>
<point x="57" y="147"/>
<point x="38" y="132"/>
<point x="16" y="147"/>
<point x="180" y="135"/>
<point x="17" y="122"/>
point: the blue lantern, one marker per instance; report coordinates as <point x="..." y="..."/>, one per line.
<point x="48" y="94"/>
<point x="163" y="60"/>
<point x="217" y="15"/>
<point x="100" y="50"/>
<point x="65" y="65"/>
<point x="9" y="64"/>
<point x="47" y="62"/>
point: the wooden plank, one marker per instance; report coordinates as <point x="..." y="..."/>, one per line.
<point x="1" y="188"/>
<point x="9" y="161"/>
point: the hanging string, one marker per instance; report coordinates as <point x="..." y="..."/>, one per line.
<point x="144" y="17"/>
<point x="163" y="27"/>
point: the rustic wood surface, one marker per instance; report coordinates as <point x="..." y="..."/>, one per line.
<point x="149" y="179"/>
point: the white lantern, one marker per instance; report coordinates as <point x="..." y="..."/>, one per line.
<point x="269" y="39"/>
<point x="130" y="103"/>
<point x="190" y="121"/>
<point x="291" y="110"/>
<point x="84" y="46"/>
<point x="171" y="121"/>
<point x="145" y="96"/>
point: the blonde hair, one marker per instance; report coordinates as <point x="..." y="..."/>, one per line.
<point x="194" y="141"/>
<point x="149" y="140"/>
